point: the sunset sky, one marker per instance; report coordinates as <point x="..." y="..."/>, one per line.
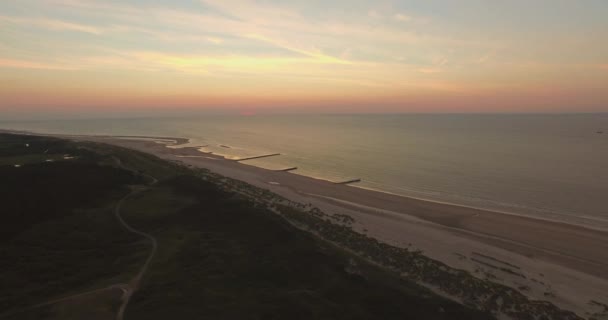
<point x="161" y="56"/>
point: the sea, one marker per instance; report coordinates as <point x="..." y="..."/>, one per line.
<point x="547" y="166"/>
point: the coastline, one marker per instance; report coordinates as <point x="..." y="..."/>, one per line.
<point x="589" y="221"/>
<point x="497" y="211"/>
<point x="561" y="263"/>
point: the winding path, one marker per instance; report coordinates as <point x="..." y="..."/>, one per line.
<point x="128" y="289"/>
<point x="75" y="296"/>
<point x="133" y="285"/>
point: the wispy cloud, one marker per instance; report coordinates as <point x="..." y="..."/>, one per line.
<point x="50" y="24"/>
<point x="402" y="17"/>
<point x="429" y="70"/>
<point x="374" y="14"/>
<point x="388" y="46"/>
<point x="214" y="40"/>
<point x="314" y="53"/>
<point x="25" y="64"/>
<point x="483" y="59"/>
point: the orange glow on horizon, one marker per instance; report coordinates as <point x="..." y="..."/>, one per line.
<point x="274" y="56"/>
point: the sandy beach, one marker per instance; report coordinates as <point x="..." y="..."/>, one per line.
<point x="564" y="264"/>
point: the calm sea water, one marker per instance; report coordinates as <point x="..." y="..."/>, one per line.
<point x="552" y="166"/>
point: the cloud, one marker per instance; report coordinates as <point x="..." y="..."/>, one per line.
<point x="215" y="40"/>
<point x="374" y="14"/>
<point x="63" y="25"/>
<point x="441" y="61"/>
<point x="316" y="54"/>
<point x="225" y="38"/>
<point x="483" y="59"/>
<point x="283" y="23"/>
<point x="51" y="24"/>
<point x="25" y="64"/>
<point x="402" y="17"/>
<point x="429" y="70"/>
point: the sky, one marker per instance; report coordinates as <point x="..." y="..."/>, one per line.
<point x="94" y="57"/>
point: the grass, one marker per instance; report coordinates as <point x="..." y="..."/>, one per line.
<point x="59" y="235"/>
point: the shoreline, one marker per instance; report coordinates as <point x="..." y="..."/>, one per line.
<point x="398" y="202"/>
<point x="179" y="142"/>
<point x="523" y="215"/>
<point x="531" y="213"/>
<point x="442" y="202"/>
<point x="446" y="203"/>
<point x="565" y="264"/>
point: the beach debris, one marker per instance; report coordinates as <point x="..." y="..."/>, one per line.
<point x="27" y="145"/>
<point x="48" y="160"/>
<point x="225" y="146"/>
<point x="273" y="183"/>
<point x="17" y="166"/>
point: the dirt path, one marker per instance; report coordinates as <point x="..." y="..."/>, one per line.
<point x="75" y="296"/>
<point x="133" y="285"/>
<point x="128" y="289"/>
